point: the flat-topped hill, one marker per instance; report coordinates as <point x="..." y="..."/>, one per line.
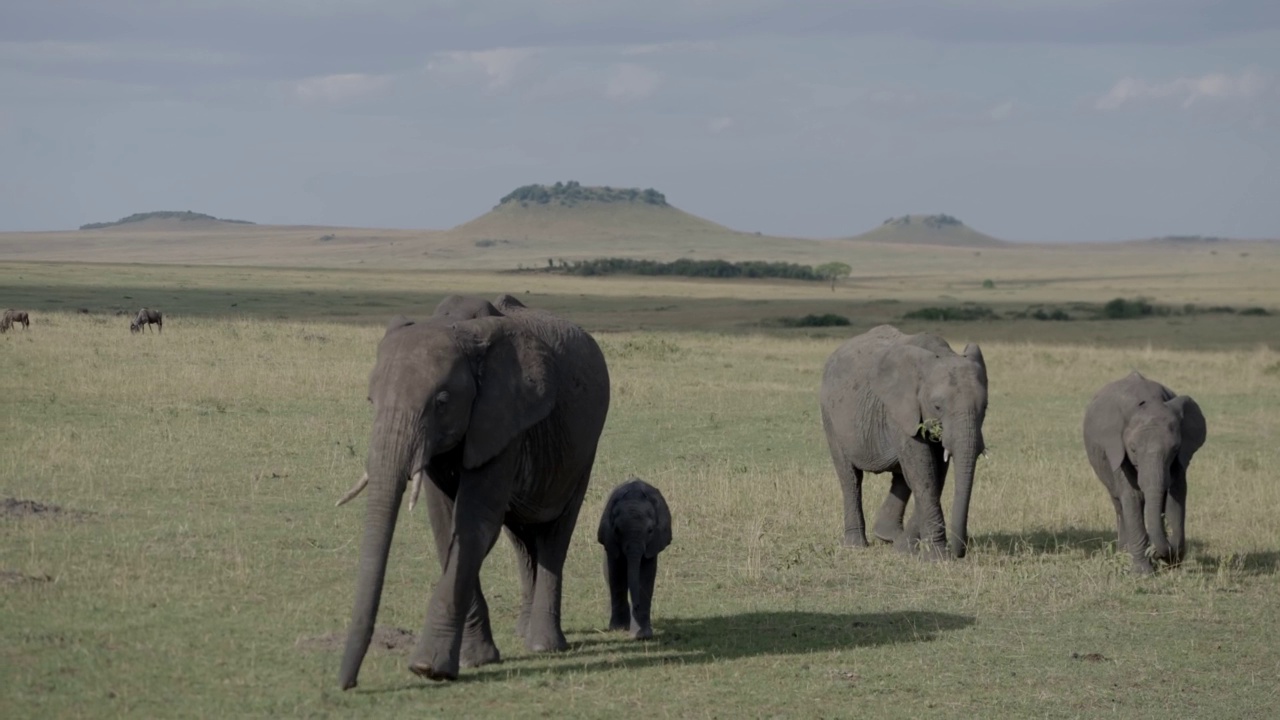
<point x="928" y="230"/>
<point x="164" y="220"/>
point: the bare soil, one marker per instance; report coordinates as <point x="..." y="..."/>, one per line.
<point x="13" y="508"/>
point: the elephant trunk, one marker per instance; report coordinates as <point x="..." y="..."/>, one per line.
<point x="390" y="450"/>
<point x="635" y="587"/>
<point x="965" y="446"/>
<point x="1153" y="480"/>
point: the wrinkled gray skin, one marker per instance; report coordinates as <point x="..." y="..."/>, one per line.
<point x="145" y="319"/>
<point x="1140" y="437"/>
<point x="877" y="388"/>
<point x="503" y="410"/>
<point x="634" y="527"/>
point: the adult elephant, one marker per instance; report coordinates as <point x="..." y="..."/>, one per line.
<point x="1140" y="437"/>
<point x="907" y="405"/>
<point x="501" y="408"/>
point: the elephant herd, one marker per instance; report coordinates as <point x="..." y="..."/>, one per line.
<point x="494" y="412"/>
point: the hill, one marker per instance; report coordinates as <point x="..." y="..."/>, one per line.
<point x="928" y="230"/>
<point x="168" y="218"/>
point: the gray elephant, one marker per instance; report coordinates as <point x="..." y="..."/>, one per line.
<point x="1140" y="437"/>
<point x="634" y="527"/>
<point x="907" y="405"/>
<point x="501" y="415"/>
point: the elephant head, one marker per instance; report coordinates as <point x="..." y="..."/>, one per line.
<point x="466" y="389"/>
<point x="636" y="521"/>
<point x="1158" y="437"/>
<point x="933" y="394"/>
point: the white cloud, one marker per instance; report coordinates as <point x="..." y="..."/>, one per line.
<point x="1187" y="91"/>
<point x="340" y="88"/>
<point x="500" y="65"/>
<point x="631" y="82"/>
<point x="718" y="125"/>
<point x="1001" y="111"/>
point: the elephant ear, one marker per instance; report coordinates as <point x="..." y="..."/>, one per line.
<point x="461" y="307"/>
<point x="1194" y="430"/>
<point x="661" y="537"/>
<point x="515" y="387"/>
<point x="974" y="354"/>
<point x="1105" y="426"/>
<point x="896" y="379"/>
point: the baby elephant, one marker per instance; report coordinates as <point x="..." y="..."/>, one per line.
<point x="635" y="527"/>
<point x="1140" y="437"/>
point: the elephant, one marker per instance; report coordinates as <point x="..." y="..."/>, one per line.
<point x="14" y="317"/>
<point x="498" y="417"/>
<point x="145" y="319"/>
<point x="1140" y="437"/>
<point x="910" y="406"/>
<point x="634" y="527"/>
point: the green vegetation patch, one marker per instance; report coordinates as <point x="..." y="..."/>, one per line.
<point x="814" y="320"/>
<point x="685" y="267"/>
<point x="961" y="313"/>
<point x="571" y="193"/>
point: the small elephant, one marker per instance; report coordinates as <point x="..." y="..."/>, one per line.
<point x="1140" y="437"/>
<point x="634" y="528"/>
<point x="911" y="406"/>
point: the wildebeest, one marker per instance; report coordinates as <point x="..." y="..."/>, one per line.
<point x="14" y="317"/>
<point x="146" y="318"/>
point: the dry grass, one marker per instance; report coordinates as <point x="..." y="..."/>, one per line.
<point x="210" y="456"/>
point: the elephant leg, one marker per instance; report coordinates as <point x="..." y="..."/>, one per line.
<point x="1120" y="531"/>
<point x="923" y="474"/>
<point x="1135" y="533"/>
<point x="1175" y="512"/>
<point x="641" y="628"/>
<point x="527" y="568"/>
<point x="615" y="575"/>
<point x="478" y="646"/>
<point x="855" y="534"/>
<point x="479" y="507"/>
<point x="545" y="634"/>
<point x="889" y="517"/>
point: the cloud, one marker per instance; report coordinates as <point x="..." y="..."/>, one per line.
<point x="718" y="125"/>
<point x="1187" y="91"/>
<point x="499" y="65"/>
<point x="1001" y="111"/>
<point x="631" y="82"/>
<point x="340" y="88"/>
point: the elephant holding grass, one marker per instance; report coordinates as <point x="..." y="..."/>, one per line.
<point x="907" y="405"/>
<point x="1140" y="437"/>
<point x="634" y="527"/>
<point x="494" y="411"/>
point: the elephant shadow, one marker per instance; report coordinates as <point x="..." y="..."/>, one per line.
<point x="728" y="637"/>
<point x="1046" y="541"/>
<point x="1266" y="562"/>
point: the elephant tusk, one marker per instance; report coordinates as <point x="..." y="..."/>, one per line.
<point x="354" y="491"/>
<point x="417" y="488"/>
<point x="946" y="455"/>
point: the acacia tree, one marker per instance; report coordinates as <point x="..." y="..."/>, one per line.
<point x="833" y="271"/>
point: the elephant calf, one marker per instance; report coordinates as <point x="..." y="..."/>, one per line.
<point x="634" y="528"/>
<point x="1140" y="436"/>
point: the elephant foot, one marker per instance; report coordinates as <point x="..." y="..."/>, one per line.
<point x="546" y="642"/>
<point x="888" y="531"/>
<point x="642" y="633"/>
<point x="425" y="670"/>
<point x="855" y="538"/>
<point x="479" y="652"/>
<point x="935" y="553"/>
<point x="1143" y="567"/>
<point x="620" y="621"/>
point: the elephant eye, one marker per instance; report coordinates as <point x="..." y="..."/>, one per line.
<point x="442" y="397"/>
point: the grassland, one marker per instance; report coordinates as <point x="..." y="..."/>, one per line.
<point x="201" y="569"/>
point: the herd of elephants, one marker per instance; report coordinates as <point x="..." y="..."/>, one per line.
<point x="493" y="410"/>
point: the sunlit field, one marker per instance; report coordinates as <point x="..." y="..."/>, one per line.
<point x="198" y="567"/>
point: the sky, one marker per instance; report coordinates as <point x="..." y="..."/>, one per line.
<point x="1031" y="120"/>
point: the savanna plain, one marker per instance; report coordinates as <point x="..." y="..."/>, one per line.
<point x="181" y="555"/>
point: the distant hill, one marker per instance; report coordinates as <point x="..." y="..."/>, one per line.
<point x="928" y="230"/>
<point x="162" y="217"/>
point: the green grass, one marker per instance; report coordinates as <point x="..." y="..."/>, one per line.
<point x="209" y="457"/>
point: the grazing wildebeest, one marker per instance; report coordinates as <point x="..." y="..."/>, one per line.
<point x="146" y="318"/>
<point x="14" y="317"/>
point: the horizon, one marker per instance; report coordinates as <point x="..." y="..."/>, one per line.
<point x="1041" y="123"/>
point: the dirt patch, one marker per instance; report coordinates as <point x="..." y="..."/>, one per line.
<point x="13" y="508"/>
<point x="384" y="638"/>
<point x="14" y="577"/>
<point x="1089" y="657"/>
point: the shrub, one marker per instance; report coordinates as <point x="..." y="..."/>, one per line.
<point x="988" y="284"/>
<point x="824" y="320"/>
<point x="1122" y="309"/>
<point x="1255" y="311"/>
<point x="967" y="312"/>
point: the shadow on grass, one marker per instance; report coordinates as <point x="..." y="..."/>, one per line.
<point x="1092" y="541"/>
<point x="1266" y="562"/>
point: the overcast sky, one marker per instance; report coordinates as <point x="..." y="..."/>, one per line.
<point x="1040" y="120"/>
